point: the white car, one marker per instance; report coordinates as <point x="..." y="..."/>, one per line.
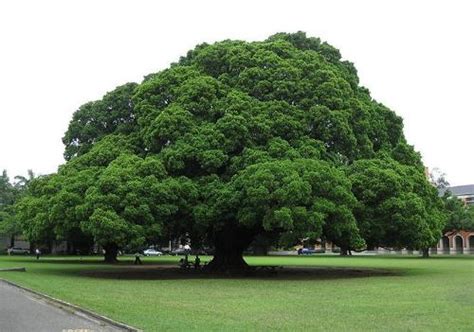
<point x="152" y="252"/>
<point x="18" y="251"/>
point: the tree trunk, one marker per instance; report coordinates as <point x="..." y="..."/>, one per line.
<point x="12" y="241"/>
<point x="426" y="252"/>
<point x="260" y="250"/>
<point x="111" y="251"/>
<point x="229" y="247"/>
<point x="227" y="261"/>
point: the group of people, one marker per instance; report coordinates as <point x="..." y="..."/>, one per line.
<point x="184" y="263"/>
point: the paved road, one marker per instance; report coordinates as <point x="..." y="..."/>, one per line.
<point x="21" y="311"/>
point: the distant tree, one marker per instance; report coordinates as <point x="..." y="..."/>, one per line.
<point x="9" y="196"/>
<point x="7" y="199"/>
<point x="469" y="224"/>
<point x="6" y="190"/>
<point x="22" y="182"/>
<point x="438" y="178"/>
<point x="459" y="215"/>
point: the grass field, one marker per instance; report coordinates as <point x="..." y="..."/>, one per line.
<point x="435" y="294"/>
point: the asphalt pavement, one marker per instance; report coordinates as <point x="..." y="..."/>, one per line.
<point x="21" y="311"/>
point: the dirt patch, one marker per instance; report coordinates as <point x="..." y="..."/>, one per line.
<point x="161" y="272"/>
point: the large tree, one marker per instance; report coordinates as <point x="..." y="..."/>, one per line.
<point x="235" y="141"/>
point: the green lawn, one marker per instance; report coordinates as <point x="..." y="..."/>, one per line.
<point x="435" y="294"/>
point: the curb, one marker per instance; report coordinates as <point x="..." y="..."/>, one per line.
<point x="16" y="269"/>
<point x="74" y="308"/>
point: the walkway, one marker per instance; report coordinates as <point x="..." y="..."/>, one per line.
<point x="21" y="311"/>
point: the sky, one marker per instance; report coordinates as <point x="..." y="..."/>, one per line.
<point x="416" y="57"/>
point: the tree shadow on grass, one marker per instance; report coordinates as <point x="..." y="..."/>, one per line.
<point x="88" y="260"/>
<point x="95" y="267"/>
<point x="162" y="272"/>
<point x="128" y="260"/>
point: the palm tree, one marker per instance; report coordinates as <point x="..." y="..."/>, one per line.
<point x="22" y="182"/>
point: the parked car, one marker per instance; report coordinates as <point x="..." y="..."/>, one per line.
<point x="165" y="250"/>
<point x="18" y="251"/>
<point x="180" y="251"/>
<point x="152" y="252"/>
<point x="308" y="251"/>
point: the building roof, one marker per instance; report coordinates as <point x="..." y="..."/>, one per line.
<point x="464" y="190"/>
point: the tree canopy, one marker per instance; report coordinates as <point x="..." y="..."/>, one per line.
<point x="234" y="141"/>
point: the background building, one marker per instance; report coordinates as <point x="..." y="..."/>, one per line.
<point x="458" y="241"/>
<point x="465" y="193"/>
